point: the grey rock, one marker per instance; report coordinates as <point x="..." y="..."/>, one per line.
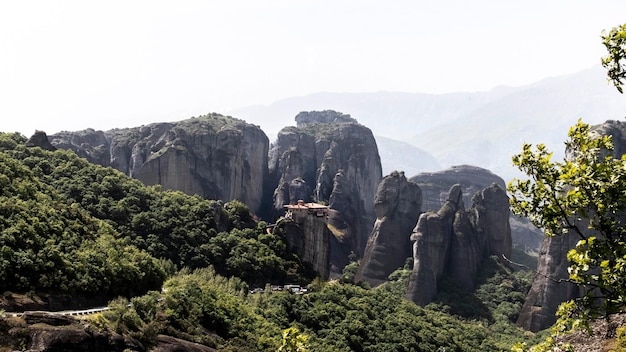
<point x="47" y="318"/>
<point x="472" y="179"/>
<point x="75" y="337"/>
<point x="40" y="139"/>
<point x="338" y="159"/>
<point x="308" y="118"/>
<point x="307" y="235"/>
<point x="214" y="156"/>
<point x="455" y="241"/>
<point x="397" y="205"/>
<point x="548" y="290"/>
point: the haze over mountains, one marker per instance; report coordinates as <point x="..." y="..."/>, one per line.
<point x="478" y="128"/>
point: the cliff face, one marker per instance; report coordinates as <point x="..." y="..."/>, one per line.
<point x="472" y="179"/>
<point x="337" y="159"/>
<point x="454" y="241"/>
<point x="305" y="230"/>
<point x="547" y="292"/>
<point x="397" y="204"/>
<point x="214" y="156"/>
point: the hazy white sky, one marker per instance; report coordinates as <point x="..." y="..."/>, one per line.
<point x="68" y="65"/>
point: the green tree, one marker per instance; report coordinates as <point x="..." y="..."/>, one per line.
<point x="614" y="62"/>
<point x="294" y="341"/>
<point x="584" y="196"/>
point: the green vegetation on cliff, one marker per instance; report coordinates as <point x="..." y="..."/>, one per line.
<point x="68" y="226"/>
<point x="71" y="226"/>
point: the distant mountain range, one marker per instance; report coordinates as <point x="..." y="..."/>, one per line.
<point x="480" y="128"/>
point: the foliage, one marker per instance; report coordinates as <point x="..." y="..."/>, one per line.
<point x="495" y="302"/>
<point x="614" y="62"/>
<point x="620" y="341"/>
<point x="294" y="341"/>
<point x="344" y="317"/>
<point x="58" y="196"/>
<point x="565" y="324"/>
<point x="584" y="196"/>
<point x="198" y="306"/>
<point x="69" y="226"/>
<point x="49" y="244"/>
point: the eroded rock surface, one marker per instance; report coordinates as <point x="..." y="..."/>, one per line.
<point x="397" y="205"/>
<point x="472" y="179"/>
<point x="455" y="241"/>
<point x="307" y="234"/>
<point x="338" y="160"/>
<point x="214" y="156"/>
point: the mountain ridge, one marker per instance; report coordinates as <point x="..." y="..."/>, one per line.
<point x="479" y="128"/>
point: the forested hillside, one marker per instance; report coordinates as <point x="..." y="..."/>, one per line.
<point x="187" y="265"/>
<point x="74" y="226"/>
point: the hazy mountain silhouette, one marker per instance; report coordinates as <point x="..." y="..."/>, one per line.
<point x="480" y="128"/>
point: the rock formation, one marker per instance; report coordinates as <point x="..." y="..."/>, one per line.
<point x="435" y="187"/>
<point x="214" y="156"/>
<point x="547" y="290"/>
<point x="397" y="204"/>
<point x="304" y="119"/>
<point x="40" y="139"/>
<point x="45" y="331"/>
<point x="454" y="241"/>
<point x="338" y="159"/>
<point x="307" y="235"/>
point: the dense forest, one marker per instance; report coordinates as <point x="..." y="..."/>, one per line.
<point x="187" y="266"/>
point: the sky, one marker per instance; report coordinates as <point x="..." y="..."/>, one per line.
<point x="71" y="65"/>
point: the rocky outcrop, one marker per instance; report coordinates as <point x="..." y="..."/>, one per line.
<point x="472" y="179"/>
<point x="455" y="241"/>
<point x="338" y="160"/>
<point x="49" y="332"/>
<point x="214" y="156"/>
<point x="40" y="139"/>
<point x="305" y="230"/>
<point x="43" y="331"/>
<point x="397" y="204"/>
<point x="304" y="119"/>
<point x="548" y="289"/>
<point x="435" y="186"/>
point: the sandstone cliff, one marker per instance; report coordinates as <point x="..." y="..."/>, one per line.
<point x="455" y="241"/>
<point x="397" y="204"/>
<point x="337" y="159"/>
<point x="214" y="156"/>
<point x="548" y="290"/>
